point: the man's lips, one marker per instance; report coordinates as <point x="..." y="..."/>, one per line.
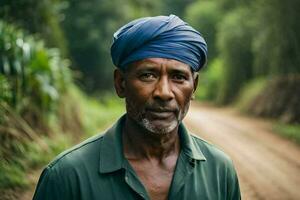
<point x="161" y="113"/>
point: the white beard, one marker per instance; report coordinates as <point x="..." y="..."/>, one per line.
<point x="158" y="130"/>
<point x="152" y="128"/>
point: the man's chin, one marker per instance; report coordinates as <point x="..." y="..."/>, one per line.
<point x="158" y="127"/>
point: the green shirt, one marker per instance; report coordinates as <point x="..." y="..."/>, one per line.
<point x="97" y="169"/>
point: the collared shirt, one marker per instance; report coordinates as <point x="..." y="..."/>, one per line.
<point x="97" y="169"/>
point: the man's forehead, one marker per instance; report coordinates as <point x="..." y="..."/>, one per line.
<point x="158" y="64"/>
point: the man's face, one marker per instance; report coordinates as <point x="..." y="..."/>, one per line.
<point x="158" y="93"/>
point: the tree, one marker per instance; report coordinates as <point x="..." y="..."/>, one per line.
<point x="176" y="7"/>
<point x="89" y="26"/>
<point x="40" y="17"/>
<point x="277" y="43"/>
<point x="204" y="16"/>
<point x="235" y="45"/>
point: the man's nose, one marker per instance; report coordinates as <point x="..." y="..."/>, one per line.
<point x="163" y="90"/>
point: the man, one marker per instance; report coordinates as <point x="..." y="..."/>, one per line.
<point x="148" y="153"/>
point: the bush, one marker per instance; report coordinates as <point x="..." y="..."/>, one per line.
<point x="289" y="131"/>
<point x="234" y="42"/>
<point x="205" y="16"/>
<point x="33" y="79"/>
<point x="249" y="92"/>
<point x="280" y="99"/>
<point x="31" y="76"/>
<point x="276" y="97"/>
<point x="209" y="81"/>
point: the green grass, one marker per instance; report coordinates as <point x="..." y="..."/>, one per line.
<point x="290" y="131"/>
<point x="12" y="175"/>
<point x="29" y="156"/>
<point x="209" y="82"/>
<point x="248" y="93"/>
<point x="246" y="96"/>
<point x="96" y="114"/>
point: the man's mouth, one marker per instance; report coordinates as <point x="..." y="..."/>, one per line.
<point x="160" y="113"/>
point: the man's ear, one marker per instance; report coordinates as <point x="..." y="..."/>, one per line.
<point x="119" y="83"/>
<point x="196" y="78"/>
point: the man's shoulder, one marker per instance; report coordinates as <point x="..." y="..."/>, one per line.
<point x="78" y="154"/>
<point x="211" y="152"/>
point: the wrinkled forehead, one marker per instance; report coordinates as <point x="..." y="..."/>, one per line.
<point x="158" y="64"/>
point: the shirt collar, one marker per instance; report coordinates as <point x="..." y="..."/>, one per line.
<point x="111" y="147"/>
<point x="189" y="145"/>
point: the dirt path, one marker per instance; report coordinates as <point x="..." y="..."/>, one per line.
<point x="268" y="165"/>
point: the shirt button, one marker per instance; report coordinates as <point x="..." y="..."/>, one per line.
<point x="192" y="163"/>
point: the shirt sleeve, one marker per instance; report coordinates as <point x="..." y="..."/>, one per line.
<point x="233" y="184"/>
<point x="49" y="186"/>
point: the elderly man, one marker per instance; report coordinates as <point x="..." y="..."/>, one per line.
<point x="148" y="153"/>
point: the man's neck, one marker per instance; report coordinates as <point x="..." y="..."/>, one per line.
<point x="140" y="144"/>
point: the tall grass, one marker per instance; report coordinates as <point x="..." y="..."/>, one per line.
<point x="32" y="80"/>
<point x="247" y="103"/>
<point x="290" y="131"/>
<point x="42" y="112"/>
<point x="98" y="113"/>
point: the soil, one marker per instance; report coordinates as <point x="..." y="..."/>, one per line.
<point x="268" y="165"/>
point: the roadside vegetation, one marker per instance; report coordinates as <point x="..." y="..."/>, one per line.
<point x="290" y="131"/>
<point x="246" y="68"/>
<point x="42" y="112"/>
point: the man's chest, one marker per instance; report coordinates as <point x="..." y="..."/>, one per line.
<point x="156" y="179"/>
<point x="125" y="184"/>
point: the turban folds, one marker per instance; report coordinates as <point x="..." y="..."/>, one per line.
<point x="158" y="37"/>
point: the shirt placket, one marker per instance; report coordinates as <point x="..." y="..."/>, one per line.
<point x="184" y="169"/>
<point x="135" y="184"/>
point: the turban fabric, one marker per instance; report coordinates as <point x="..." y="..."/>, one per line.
<point x="158" y="37"/>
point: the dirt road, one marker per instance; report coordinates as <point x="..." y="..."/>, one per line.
<point x="268" y="166"/>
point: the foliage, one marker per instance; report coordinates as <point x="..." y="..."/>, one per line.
<point x="273" y="97"/>
<point x="5" y="89"/>
<point x="209" y="81"/>
<point x="177" y="7"/>
<point x="29" y="155"/>
<point x="29" y="72"/>
<point x="229" y="5"/>
<point x="234" y="42"/>
<point x="205" y="17"/>
<point x="98" y="112"/>
<point x="143" y="8"/>
<point x="89" y="37"/>
<point x="32" y="78"/>
<point x="96" y="115"/>
<point x="252" y="38"/>
<point x="291" y="131"/>
<point x="40" y="17"/>
<point x="277" y="43"/>
<point x="249" y="92"/>
<point x="279" y="99"/>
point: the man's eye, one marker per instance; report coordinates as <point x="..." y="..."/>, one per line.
<point x="147" y="76"/>
<point x="179" y="77"/>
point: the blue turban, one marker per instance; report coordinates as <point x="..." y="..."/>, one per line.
<point x="159" y="37"/>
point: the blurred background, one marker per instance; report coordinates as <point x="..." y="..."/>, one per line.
<point x="56" y="72"/>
